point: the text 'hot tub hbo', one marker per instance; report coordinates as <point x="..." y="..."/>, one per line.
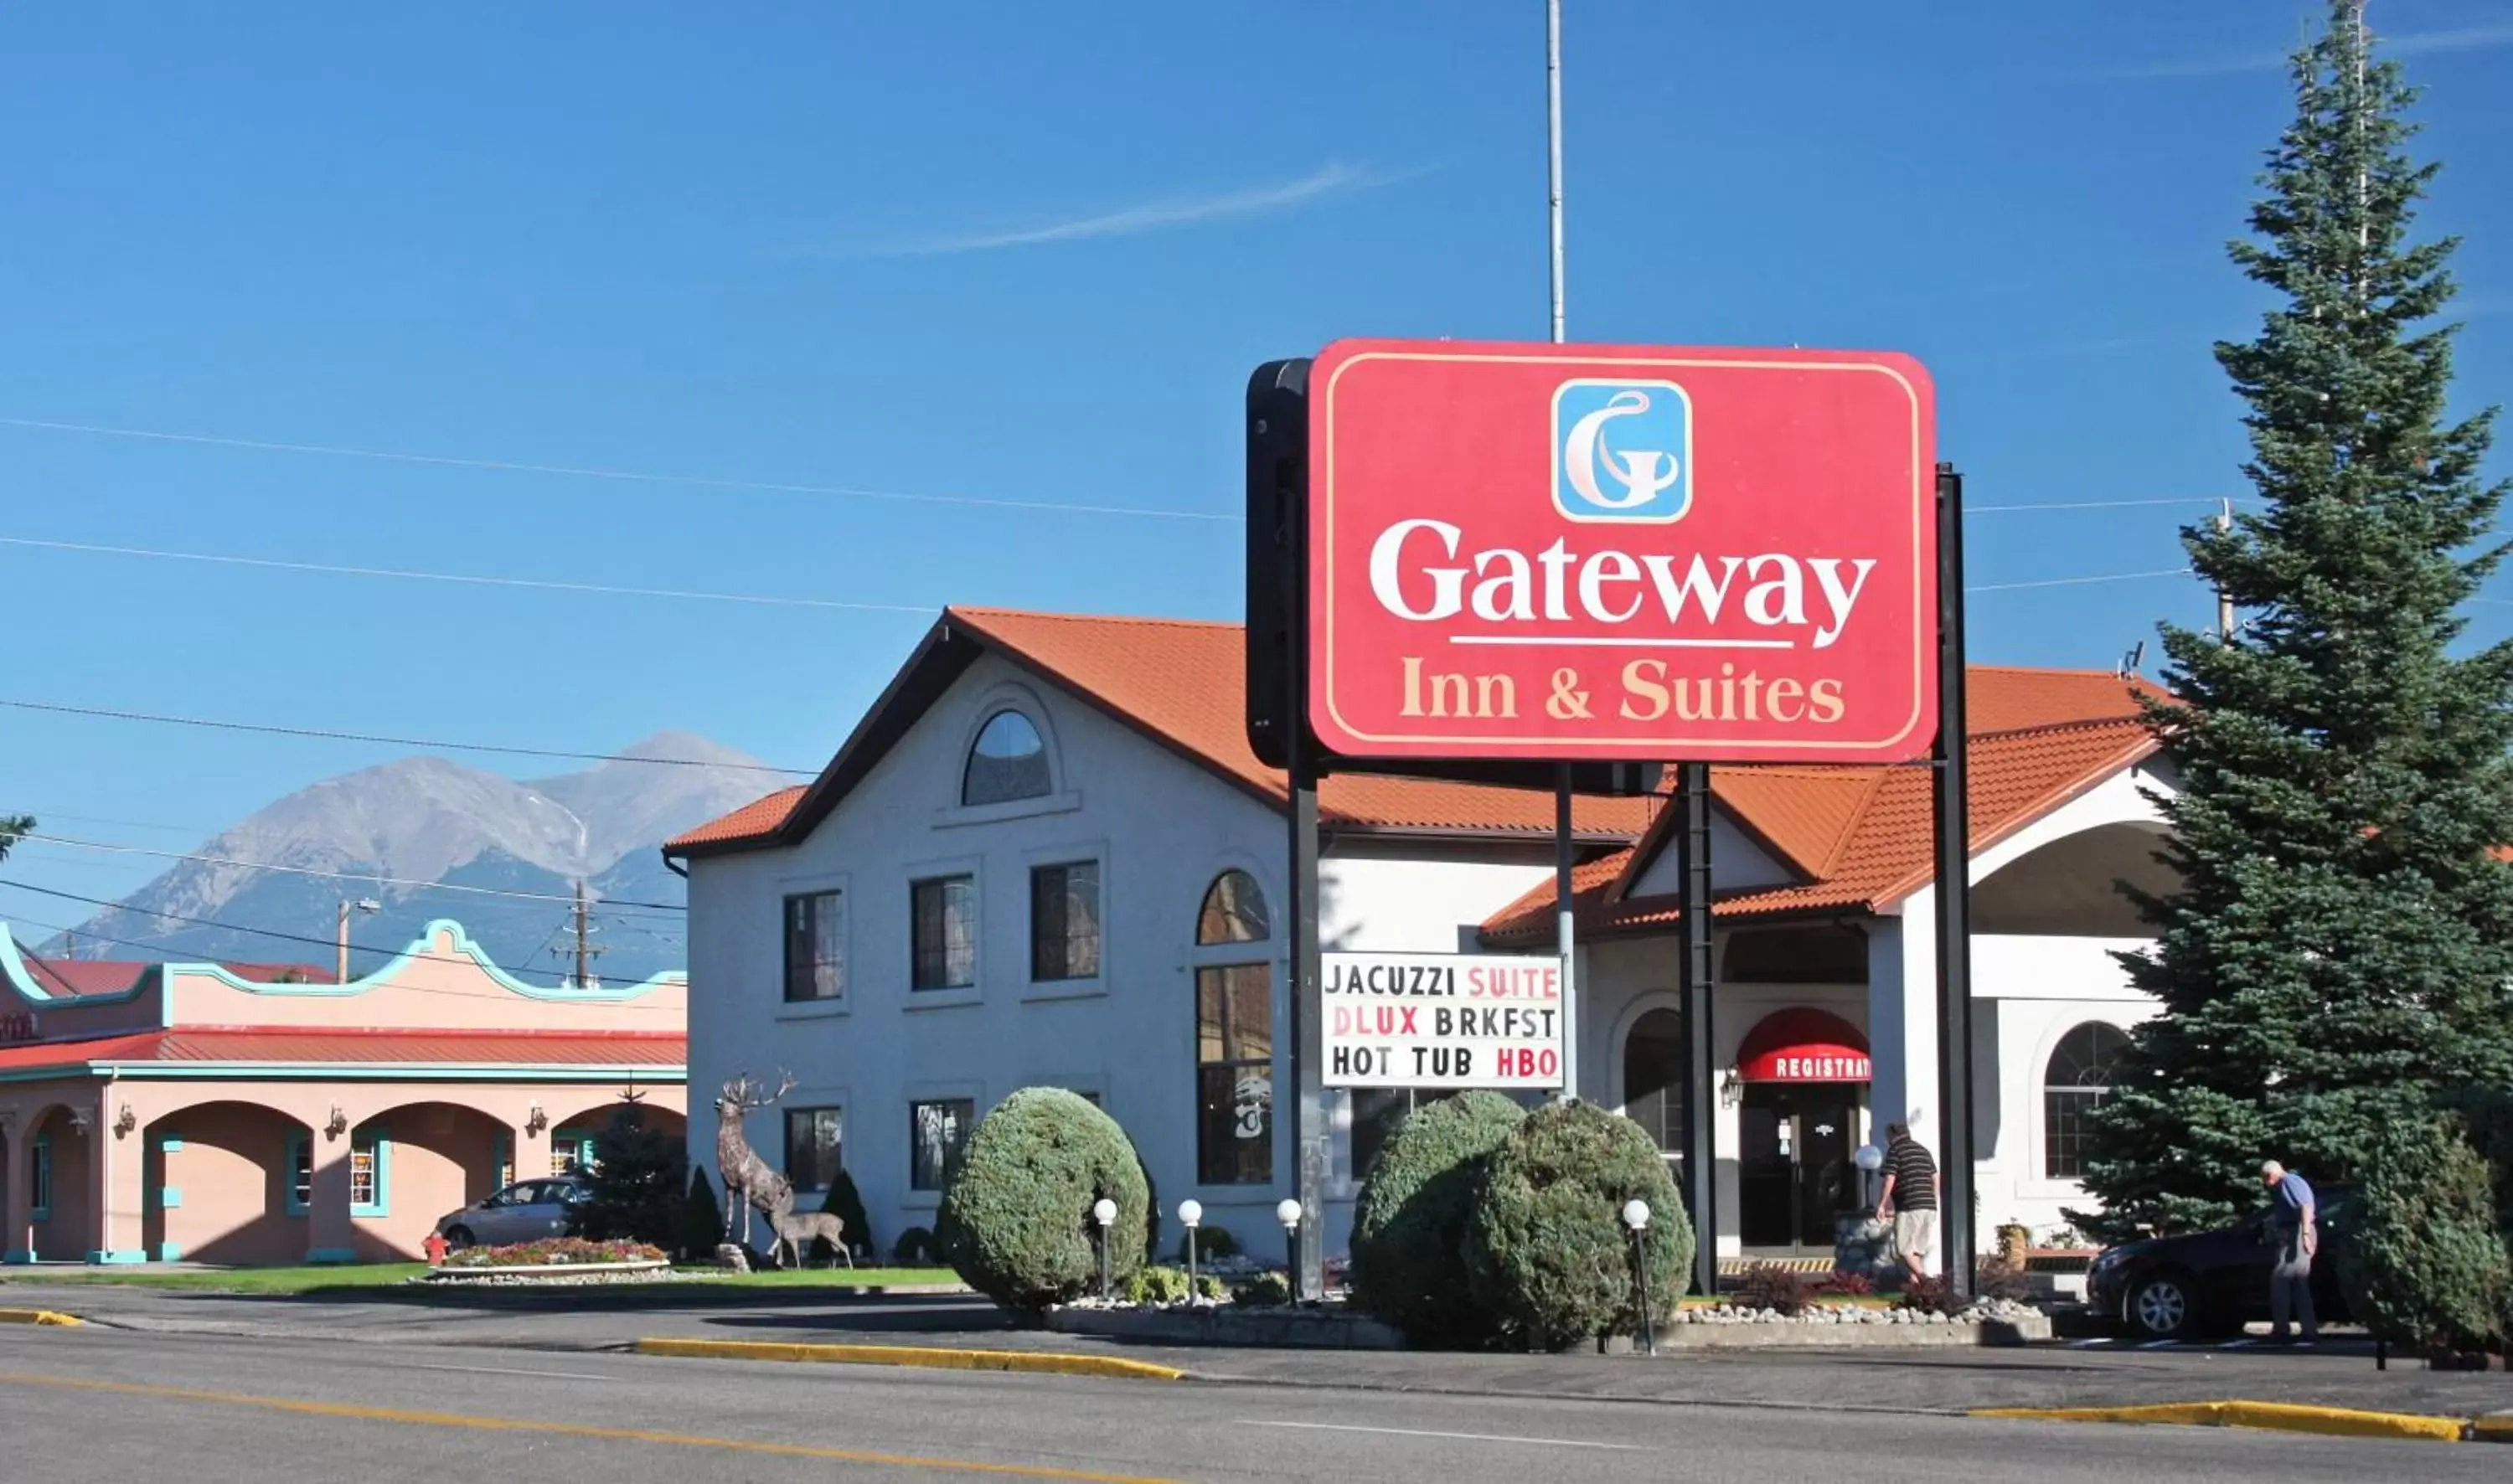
<point x="1442" y="1020"/>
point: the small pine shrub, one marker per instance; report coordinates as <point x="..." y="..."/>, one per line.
<point x="1015" y="1219"/>
<point x="1263" y="1289"/>
<point x="1157" y="1285"/>
<point x="2428" y="1268"/>
<point x="1547" y="1249"/>
<point x="1927" y="1296"/>
<point x="1769" y="1285"/>
<point x="1409" y="1232"/>
<point x="916" y="1248"/>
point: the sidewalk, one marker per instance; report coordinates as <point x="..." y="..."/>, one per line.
<point x="2062" y="1374"/>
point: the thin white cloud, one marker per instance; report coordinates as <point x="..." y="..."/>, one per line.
<point x="1334" y="179"/>
<point x="2467" y="38"/>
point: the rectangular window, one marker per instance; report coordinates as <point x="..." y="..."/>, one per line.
<point x="40" y="1165"/>
<point x="811" y="1147"/>
<point x="1064" y="922"/>
<point x="815" y="947"/>
<point x="369" y="1167"/>
<point x="1234" y="1074"/>
<point x="936" y="1131"/>
<point x="2064" y="1131"/>
<point x="946" y="933"/>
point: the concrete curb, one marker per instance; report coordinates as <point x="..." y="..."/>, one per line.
<point x="2281" y="1417"/>
<point x="45" y="1317"/>
<point x="1043" y="1363"/>
<point x="2493" y="1427"/>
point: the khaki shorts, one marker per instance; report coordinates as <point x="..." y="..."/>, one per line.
<point x="1915" y="1232"/>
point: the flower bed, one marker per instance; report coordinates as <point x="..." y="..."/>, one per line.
<point x="555" y="1251"/>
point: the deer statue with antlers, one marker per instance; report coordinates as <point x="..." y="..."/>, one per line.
<point x="748" y="1182"/>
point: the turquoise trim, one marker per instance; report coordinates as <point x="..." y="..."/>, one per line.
<point x="381" y="1205"/>
<point x="14" y="971"/>
<point x="296" y="1155"/>
<point x="170" y="1199"/>
<point x="39" y="1174"/>
<point x="168" y="1252"/>
<point x="17" y="1257"/>
<point x="169" y="1144"/>
<point x="419" y="948"/>
<point x="662" y="1074"/>
<point x="328" y="1255"/>
<point x="117" y="1257"/>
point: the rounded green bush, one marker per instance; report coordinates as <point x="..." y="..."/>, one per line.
<point x="1015" y="1220"/>
<point x="1409" y="1231"/>
<point x="1550" y="1254"/>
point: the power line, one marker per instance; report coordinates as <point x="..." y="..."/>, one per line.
<point x="109" y="714"/>
<point x="272" y="932"/>
<point x="469" y="579"/>
<point x="704" y="482"/>
<point x="2179" y="499"/>
<point x="339" y="876"/>
<point x="2009" y="587"/>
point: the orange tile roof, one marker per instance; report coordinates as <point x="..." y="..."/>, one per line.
<point x="1879" y="851"/>
<point x="1182" y="683"/>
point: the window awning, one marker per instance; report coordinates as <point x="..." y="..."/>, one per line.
<point x="1803" y="1045"/>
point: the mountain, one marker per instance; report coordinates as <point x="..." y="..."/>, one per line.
<point x="413" y="835"/>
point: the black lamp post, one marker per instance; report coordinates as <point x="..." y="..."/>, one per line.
<point x="1105" y="1212"/>
<point x="1636" y="1216"/>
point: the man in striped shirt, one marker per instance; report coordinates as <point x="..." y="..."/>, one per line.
<point x="1910" y="1198"/>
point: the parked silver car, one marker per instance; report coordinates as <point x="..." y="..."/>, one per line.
<point x="526" y="1211"/>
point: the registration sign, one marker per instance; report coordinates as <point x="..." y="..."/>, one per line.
<point x="1442" y="1020"/>
<point x="1562" y="552"/>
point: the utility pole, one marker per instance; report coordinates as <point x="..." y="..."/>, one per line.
<point x="1564" y="853"/>
<point x="586" y="950"/>
<point x="362" y="904"/>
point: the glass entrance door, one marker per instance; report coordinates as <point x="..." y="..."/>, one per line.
<point x="1794" y="1173"/>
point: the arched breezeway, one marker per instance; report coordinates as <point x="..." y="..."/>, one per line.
<point x="218" y="1184"/>
<point x="414" y="1163"/>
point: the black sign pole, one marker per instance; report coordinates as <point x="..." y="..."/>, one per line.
<point x="1954" y="897"/>
<point x="1308" y="1049"/>
<point x="1701" y="1109"/>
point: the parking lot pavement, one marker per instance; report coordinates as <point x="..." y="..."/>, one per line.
<point x="204" y="1408"/>
<point x="2070" y="1372"/>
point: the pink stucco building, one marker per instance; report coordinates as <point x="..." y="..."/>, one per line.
<point x="254" y="1113"/>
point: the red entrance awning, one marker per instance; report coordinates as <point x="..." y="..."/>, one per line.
<point x="1801" y="1046"/>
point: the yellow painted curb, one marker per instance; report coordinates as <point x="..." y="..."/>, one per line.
<point x="1037" y="1362"/>
<point x="2493" y="1427"/>
<point x="38" y="1316"/>
<point x="2283" y="1417"/>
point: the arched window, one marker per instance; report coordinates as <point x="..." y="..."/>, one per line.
<point x="1235" y="911"/>
<point x="2077" y="1080"/>
<point x="1234" y="1036"/>
<point x="1007" y="762"/>
<point x="1653" y="1083"/>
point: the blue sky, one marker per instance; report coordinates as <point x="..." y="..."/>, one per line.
<point x="1020" y="254"/>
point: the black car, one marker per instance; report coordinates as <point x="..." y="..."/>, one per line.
<point x="2206" y="1283"/>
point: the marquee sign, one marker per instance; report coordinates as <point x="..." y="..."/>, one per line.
<point x="1442" y="1020"/>
<point x="1608" y="552"/>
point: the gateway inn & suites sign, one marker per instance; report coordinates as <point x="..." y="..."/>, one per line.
<point x="1547" y="552"/>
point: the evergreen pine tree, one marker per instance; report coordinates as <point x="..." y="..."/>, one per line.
<point x="636" y="1190"/>
<point x="2341" y="941"/>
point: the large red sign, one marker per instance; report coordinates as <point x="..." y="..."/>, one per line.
<point x="1621" y="552"/>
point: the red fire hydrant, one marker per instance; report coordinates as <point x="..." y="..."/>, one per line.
<point x="434" y="1247"/>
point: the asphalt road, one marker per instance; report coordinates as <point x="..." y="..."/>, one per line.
<point x="93" y="1405"/>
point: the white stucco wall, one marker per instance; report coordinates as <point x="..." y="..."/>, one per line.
<point x="1162" y="828"/>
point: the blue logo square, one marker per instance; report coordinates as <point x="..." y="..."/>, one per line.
<point x="1622" y="450"/>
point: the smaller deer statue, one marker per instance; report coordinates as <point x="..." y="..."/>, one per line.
<point x="796" y="1230"/>
<point x="748" y="1181"/>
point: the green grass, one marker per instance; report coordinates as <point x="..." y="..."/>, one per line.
<point x="306" y="1280"/>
